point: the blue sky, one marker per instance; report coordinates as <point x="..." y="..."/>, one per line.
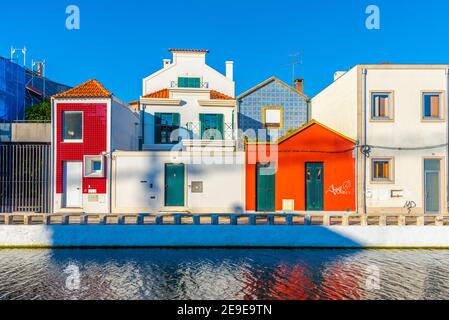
<point x="121" y="42"/>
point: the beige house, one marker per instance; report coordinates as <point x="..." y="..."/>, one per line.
<point x="398" y="115"/>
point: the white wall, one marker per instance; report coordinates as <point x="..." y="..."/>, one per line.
<point x="134" y="172"/>
<point x="406" y="130"/>
<point x="125" y="127"/>
<point x="336" y="105"/>
<point x="188" y="64"/>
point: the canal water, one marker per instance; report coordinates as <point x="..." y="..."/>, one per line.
<point x="224" y="274"/>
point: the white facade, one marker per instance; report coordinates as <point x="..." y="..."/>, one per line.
<point x="212" y="93"/>
<point x="139" y="182"/>
<point x="349" y="105"/>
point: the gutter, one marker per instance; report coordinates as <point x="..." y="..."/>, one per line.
<point x="364" y="74"/>
<point x="447" y="139"/>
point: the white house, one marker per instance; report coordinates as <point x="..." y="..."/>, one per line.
<point x="188" y="161"/>
<point x="398" y="115"/>
<point x="188" y="100"/>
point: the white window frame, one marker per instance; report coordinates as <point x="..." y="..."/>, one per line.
<point x="390" y="106"/>
<point x="63" y="127"/>
<point x="87" y="167"/>
<point x="390" y="161"/>
<point x="423" y="106"/>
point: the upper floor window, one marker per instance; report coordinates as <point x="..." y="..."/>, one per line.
<point x="166" y="126"/>
<point x="93" y="166"/>
<point x="72" y="126"/>
<point x="189" y="82"/>
<point x="382" y="170"/>
<point x="432" y="106"/>
<point x="272" y="117"/>
<point x="212" y="126"/>
<point x="381" y="106"/>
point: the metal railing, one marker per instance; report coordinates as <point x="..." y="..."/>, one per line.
<point x="225" y="219"/>
<point x="203" y="85"/>
<point x="194" y="129"/>
<point x="25" y="177"/>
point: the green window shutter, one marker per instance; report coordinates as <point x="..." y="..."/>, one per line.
<point x="182" y="82"/>
<point x="202" y="125"/>
<point x="194" y="82"/>
<point x="176" y="123"/>
<point x="157" y="128"/>
<point x="220" y="125"/>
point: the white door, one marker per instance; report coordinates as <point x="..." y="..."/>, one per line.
<point x="73" y="175"/>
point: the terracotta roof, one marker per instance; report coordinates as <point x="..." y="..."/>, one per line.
<point x="161" y="94"/>
<point x="89" y="89"/>
<point x="215" y="95"/>
<point x="165" y="94"/>
<point x="188" y="50"/>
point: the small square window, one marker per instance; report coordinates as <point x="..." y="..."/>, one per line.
<point x="382" y="170"/>
<point x="93" y="167"/>
<point x="72" y="123"/>
<point x="432" y="106"/>
<point x="381" y="106"/>
<point x="272" y="117"/>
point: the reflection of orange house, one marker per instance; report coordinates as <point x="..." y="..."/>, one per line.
<point x="311" y="169"/>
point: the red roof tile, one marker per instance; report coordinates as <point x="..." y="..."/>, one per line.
<point x="89" y="89"/>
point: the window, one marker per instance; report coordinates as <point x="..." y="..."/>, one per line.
<point x="166" y="128"/>
<point x="382" y="170"/>
<point x="432" y="106"/>
<point x="72" y="123"/>
<point x="189" y="82"/>
<point x="212" y="126"/>
<point x="381" y="106"/>
<point x="93" y="166"/>
<point x="272" y="117"/>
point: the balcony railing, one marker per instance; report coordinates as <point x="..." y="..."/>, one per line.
<point x="203" y="85"/>
<point x="194" y="129"/>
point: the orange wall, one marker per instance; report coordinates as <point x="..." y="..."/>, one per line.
<point x="339" y="169"/>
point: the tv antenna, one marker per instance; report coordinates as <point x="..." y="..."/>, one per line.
<point x="24" y="53"/>
<point x="295" y="60"/>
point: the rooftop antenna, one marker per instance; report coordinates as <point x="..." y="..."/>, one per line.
<point x="24" y="53"/>
<point x="295" y="60"/>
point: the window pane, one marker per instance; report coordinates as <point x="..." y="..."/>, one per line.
<point x="73" y="126"/>
<point x="431" y="105"/>
<point x="381" y="106"/>
<point x="96" y="165"/>
<point x="381" y="169"/>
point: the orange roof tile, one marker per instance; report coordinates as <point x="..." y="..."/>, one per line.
<point x="161" y="94"/>
<point x="89" y="89"/>
<point x="215" y="95"/>
<point x="165" y="94"/>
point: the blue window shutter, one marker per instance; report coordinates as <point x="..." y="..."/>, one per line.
<point x="176" y="124"/>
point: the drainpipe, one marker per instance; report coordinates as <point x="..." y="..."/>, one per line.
<point x="364" y="73"/>
<point x="447" y="139"/>
<point x="142" y="126"/>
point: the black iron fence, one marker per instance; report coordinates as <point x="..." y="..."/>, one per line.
<point x="25" y="177"/>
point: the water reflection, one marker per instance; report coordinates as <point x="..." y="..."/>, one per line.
<point x="225" y="274"/>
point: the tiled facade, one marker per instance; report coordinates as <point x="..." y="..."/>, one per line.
<point x="94" y="142"/>
<point x="273" y="94"/>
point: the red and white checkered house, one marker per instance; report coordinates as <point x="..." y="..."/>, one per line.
<point x="83" y="142"/>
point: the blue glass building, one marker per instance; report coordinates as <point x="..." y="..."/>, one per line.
<point x="273" y="106"/>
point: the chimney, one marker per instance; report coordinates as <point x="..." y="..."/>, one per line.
<point x="166" y="62"/>
<point x="299" y="85"/>
<point x="230" y="70"/>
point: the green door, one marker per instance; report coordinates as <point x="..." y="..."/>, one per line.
<point x="174" y="185"/>
<point x="432" y="185"/>
<point x="265" y="185"/>
<point x="314" y="186"/>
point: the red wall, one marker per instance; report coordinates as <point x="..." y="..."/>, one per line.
<point x="94" y="142"/>
<point x="339" y="168"/>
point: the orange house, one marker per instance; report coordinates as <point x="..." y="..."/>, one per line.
<point x="311" y="169"/>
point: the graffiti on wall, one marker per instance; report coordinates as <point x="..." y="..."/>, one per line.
<point x="344" y="189"/>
